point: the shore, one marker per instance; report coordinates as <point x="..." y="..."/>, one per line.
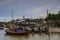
<point x="56" y="30"/>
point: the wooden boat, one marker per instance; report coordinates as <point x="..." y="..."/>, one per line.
<point x="9" y="31"/>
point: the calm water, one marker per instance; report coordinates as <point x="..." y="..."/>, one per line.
<point x="53" y="36"/>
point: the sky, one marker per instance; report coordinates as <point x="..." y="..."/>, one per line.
<point x="29" y="8"/>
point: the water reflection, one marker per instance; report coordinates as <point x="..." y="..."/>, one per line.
<point x="55" y="36"/>
<point x="42" y="36"/>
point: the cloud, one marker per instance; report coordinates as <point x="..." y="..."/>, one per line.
<point x="36" y="8"/>
<point x="41" y="11"/>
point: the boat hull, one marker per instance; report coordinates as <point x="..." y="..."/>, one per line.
<point x="16" y="33"/>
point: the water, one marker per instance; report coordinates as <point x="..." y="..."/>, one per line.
<point x="53" y="36"/>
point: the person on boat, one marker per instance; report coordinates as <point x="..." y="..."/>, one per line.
<point x="46" y="29"/>
<point x="23" y="28"/>
<point x="16" y="28"/>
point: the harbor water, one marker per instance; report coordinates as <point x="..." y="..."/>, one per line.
<point x="39" y="36"/>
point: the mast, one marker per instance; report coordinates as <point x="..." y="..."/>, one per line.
<point x="31" y="16"/>
<point x="12" y="19"/>
<point x="47" y="13"/>
<point x="23" y="16"/>
<point x="4" y="19"/>
<point x="12" y="14"/>
<point x="48" y="24"/>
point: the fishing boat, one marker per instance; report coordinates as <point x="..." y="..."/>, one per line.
<point x="14" y="32"/>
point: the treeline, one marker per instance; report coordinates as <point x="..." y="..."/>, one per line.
<point x="54" y="18"/>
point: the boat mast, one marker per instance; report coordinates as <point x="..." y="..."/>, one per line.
<point x="48" y="24"/>
<point x="12" y="17"/>
<point x="12" y="14"/>
<point x="47" y="13"/>
<point x="31" y="16"/>
<point x="23" y="16"/>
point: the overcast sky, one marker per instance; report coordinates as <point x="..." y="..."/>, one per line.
<point x="34" y="8"/>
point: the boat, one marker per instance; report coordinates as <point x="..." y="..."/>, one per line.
<point x="13" y="32"/>
<point x="29" y="29"/>
<point x="36" y="30"/>
<point x="1" y="28"/>
<point x="43" y="29"/>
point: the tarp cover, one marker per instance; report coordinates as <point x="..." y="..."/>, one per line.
<point x="20" y="30"/>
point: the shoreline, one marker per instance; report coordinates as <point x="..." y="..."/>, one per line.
<point x="54" y="30"/>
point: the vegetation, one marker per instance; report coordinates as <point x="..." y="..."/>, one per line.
<point x="54" y="17"/>
<point x="51" y="16"/>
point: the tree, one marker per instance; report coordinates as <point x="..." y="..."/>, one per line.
<point x="17" y="20"/>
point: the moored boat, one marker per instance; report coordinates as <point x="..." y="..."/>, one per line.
<point x="29" y="29"/>
<point x="11" y="31"/>
<point x="36" y="29"/>
<point x="1" y="28"/>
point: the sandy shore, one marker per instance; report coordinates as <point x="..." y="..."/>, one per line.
<point x="54" y="29"/>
